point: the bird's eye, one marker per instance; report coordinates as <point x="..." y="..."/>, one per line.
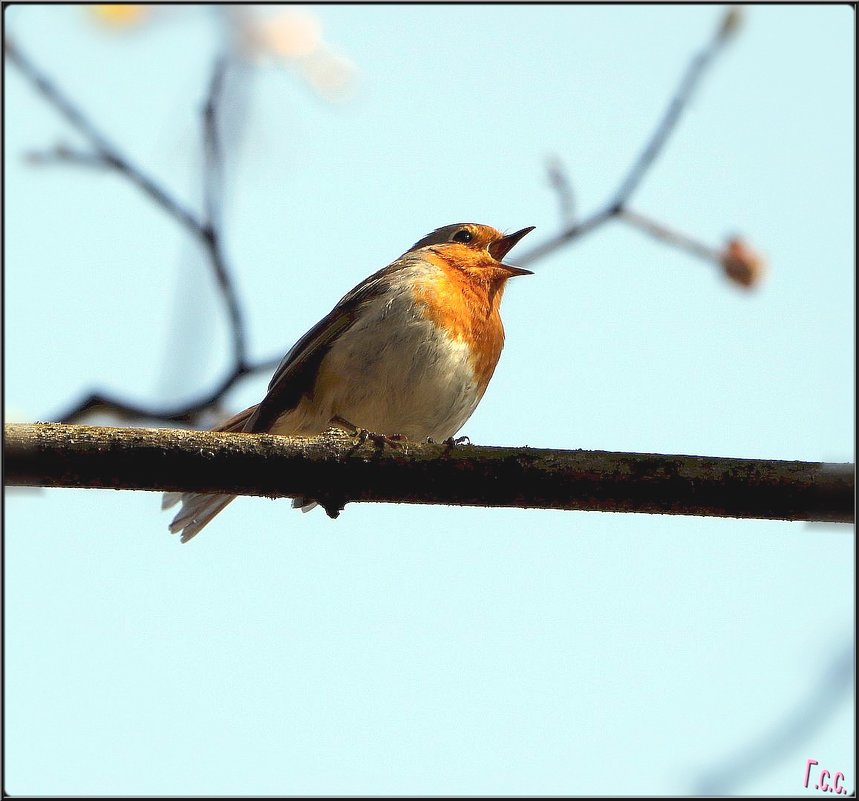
<point x="463" y="235"/>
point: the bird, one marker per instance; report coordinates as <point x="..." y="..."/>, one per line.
<point x="406" y="354"/>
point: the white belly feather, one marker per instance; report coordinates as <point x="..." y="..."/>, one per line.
<point x="392" y="372"/>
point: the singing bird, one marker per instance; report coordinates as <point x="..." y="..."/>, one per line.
<point x="407" y="353"/>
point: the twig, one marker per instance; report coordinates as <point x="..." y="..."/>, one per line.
<point x="66" y="154"/>
<point x="672" y="236"/>
<point x="104" y="149"/>
<point x="213" y="176"/>
<point x="213" y="186"/>
<point x="560" y="182"/>
<point x="186" y="414"/>
<point x="689" y="83"/>
<point x="106" y="154"/>
<point x="573" y="232"/>
<point x="335" y="471"/>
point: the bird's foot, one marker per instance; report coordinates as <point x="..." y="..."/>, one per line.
<point x="362" y="435"/>
<point x="451" y="442"/>
<point x="380" y="440"/>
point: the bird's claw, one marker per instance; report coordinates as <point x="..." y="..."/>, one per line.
<point x="361" y="435"/>
<point x="451" y="442"/>
<point x="379" y="440"/>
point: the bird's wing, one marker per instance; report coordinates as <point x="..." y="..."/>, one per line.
<point x="237" y="421"/>
<point x="296" y="374"/>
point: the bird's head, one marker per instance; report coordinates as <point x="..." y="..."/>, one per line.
<point x="476" y="249"/>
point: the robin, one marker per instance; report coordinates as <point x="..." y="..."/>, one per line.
<point x="408" y="354"/>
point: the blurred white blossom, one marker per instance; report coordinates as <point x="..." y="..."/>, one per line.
<point x="261" y="35"/>
<point x="293" y="38"/>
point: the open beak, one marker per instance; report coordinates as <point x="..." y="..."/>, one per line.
<point x="501" y="247"/>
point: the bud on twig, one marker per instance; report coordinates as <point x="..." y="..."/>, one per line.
<point x="731" y="22"/>
<point x="741" y="263"/>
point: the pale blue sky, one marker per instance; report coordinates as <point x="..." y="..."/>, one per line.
<point x="406" y="649"/>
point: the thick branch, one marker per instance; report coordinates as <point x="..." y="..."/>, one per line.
<point x="334" y="471"/>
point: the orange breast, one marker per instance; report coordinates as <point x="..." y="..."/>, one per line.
<point x="465" y="301"/>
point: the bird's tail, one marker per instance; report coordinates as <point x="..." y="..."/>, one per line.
<point x="199" y="508"/>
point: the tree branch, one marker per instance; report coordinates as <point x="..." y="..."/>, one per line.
<point x="785" y="735"/>
<point x="560" y="182"/>
<point x="686" y="89"/>
<point x="104" y="150"/>
<point x="185" y="413"/>
<point x="672" y="236"/>
<point x="105" y="154"/>
<point x="684" y="93"/>
<point x="334" y="471"/>
<point x="213" y="191"/>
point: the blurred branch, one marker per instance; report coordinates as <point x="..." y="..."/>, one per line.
<point x="739" y="262"/>
<point x="65" y="154"/>
<point x="784" y="735"/>
<point x="106" y="154"/>
<point x="560" y="182"/>
<point x="671" y="236"/>
<point x="213" y="178"/>
<point x="335" y="471"/>
<point x="213" y="187"/>
<point x="685" y="91"/>
<point x="104" y="150"/>
<point x="185" y="413"/>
